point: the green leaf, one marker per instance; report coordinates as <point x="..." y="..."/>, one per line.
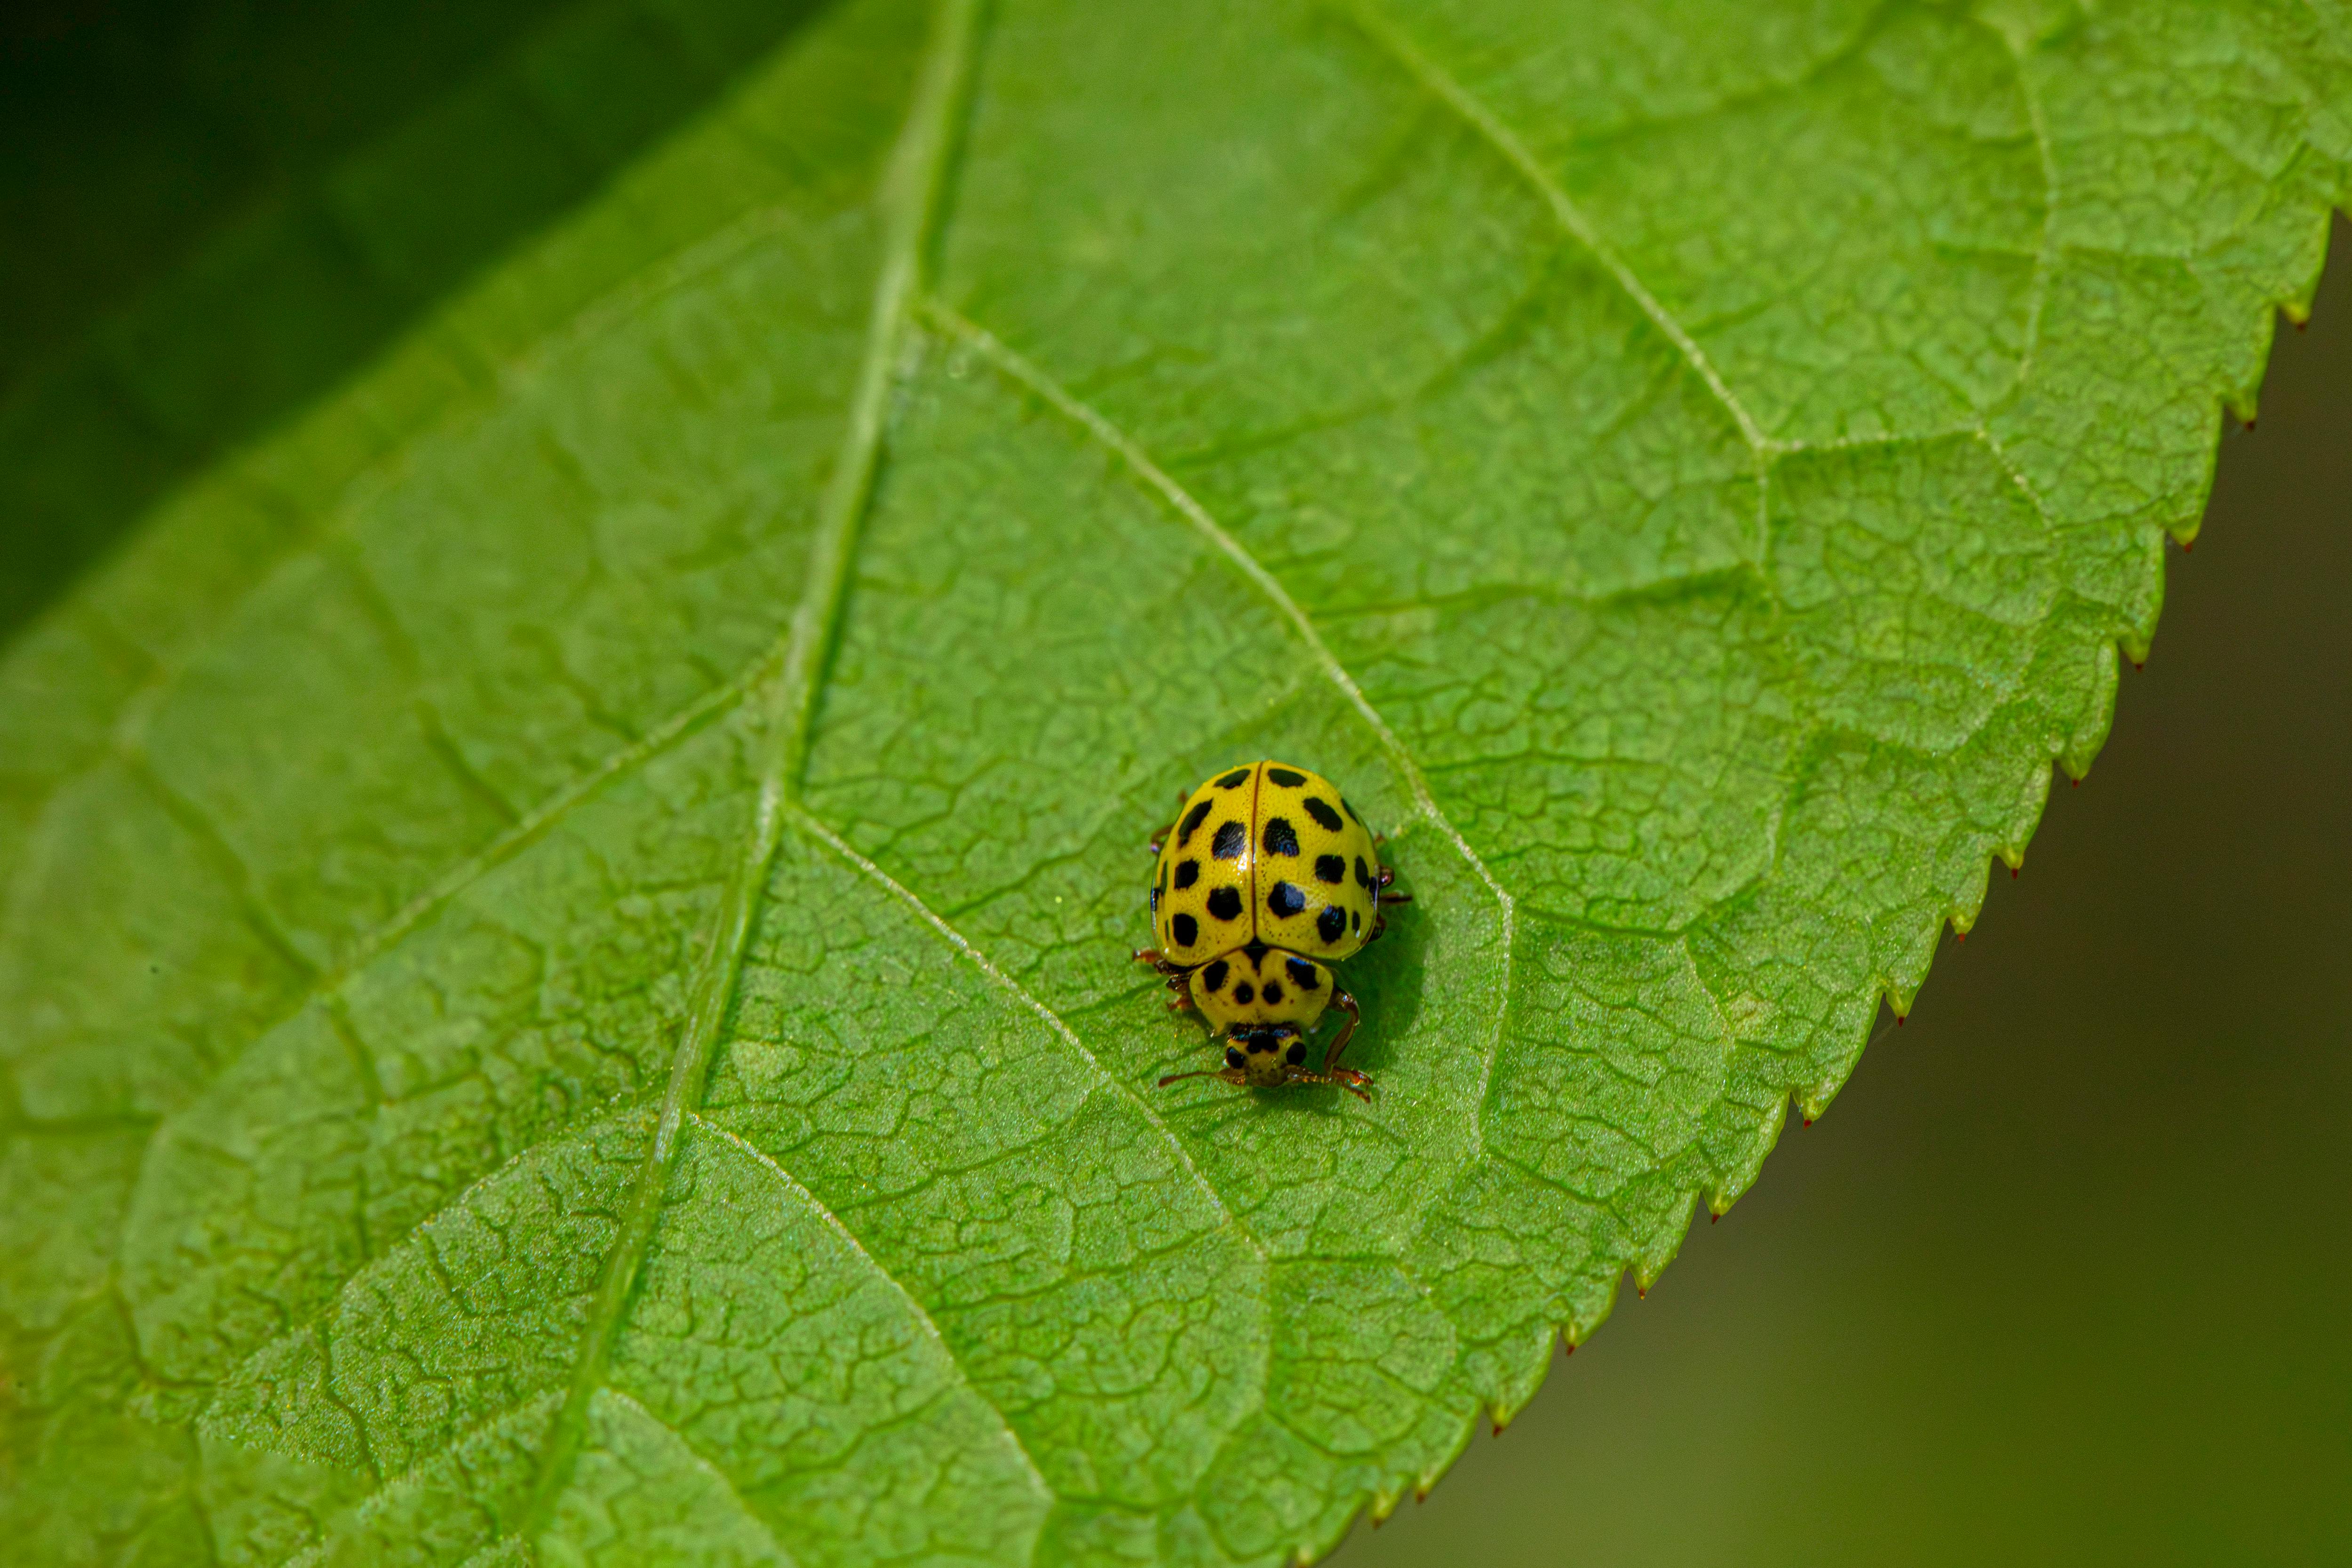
<point x="566" y="926"/>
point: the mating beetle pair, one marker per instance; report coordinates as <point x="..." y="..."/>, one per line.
<point x="1266" y="878"/>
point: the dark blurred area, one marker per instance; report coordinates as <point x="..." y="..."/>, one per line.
<point x="2064" y="1276"/>
<point x="212" y="211"/>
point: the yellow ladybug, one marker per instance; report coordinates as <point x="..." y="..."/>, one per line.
<point x="1266" y="876"/>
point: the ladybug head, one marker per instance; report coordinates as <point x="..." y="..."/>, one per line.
<point x="1261" y="1054"/>
<point x="1257" y="1056"/>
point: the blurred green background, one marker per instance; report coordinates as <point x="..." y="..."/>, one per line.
<point x="2064" y="1274"/>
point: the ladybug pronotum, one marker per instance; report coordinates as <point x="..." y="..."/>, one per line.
<point x="1264" y="878"/>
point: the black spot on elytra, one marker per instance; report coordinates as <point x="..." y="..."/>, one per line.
<point x="1233" y="1058"/>
<point x="1188" y="871"/>
<point x="1331" y="925"/>
<point x="1286" y="778"/>
<point x="1186" y="929"/>
<point x="1356" y="919"/>
<point x="1280" y="838"/>
<point x="1256" y="952"/>
<point x="1321" y="810"/>
<point x="1231" y="840"/>
<point x="1213" y="977"/>
<point x="1297" y="1053"/>
<point x="1225" y="903"/>
<point x="1330" y="870"/>
<point x="1302" y="974"/>
<point x="1192" y="823"/>
<point x="1272" y="993"/>
<point x="1363" y="876"/>
<point x="1234" y="780"/>
<point x="1155" y="903"/>
<point x="1285" y="900"/>
<point x="1244" y="993"/>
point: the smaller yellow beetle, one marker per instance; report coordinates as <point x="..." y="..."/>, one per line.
<point x="1266" y="877"/>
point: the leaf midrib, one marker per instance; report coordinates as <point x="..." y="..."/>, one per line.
<point x="910" y="199"/>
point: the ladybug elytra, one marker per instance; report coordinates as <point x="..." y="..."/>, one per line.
<point x="1267" y="878"/>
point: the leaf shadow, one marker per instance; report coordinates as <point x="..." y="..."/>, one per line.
<point x="221" y="212"/>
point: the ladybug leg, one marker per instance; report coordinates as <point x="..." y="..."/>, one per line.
<point x="1345" y="1004"/>
<point x="1349" y="1079"/>
<point x="1174" y="972"/>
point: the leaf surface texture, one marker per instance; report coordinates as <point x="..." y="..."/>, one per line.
<point x="566" y="912"/>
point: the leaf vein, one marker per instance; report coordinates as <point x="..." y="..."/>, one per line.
<point x="1435" y="79"/>
<point x="1021" y="371"/>
<point x="411" y="915"/>
<point x="1441" y="84"/>
<point x="849" y="1238"/>
<point x="909" y="200"/>
<point x="1028" y="999"/>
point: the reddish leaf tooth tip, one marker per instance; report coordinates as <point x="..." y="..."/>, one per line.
<point x="1898" y="1020"/>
